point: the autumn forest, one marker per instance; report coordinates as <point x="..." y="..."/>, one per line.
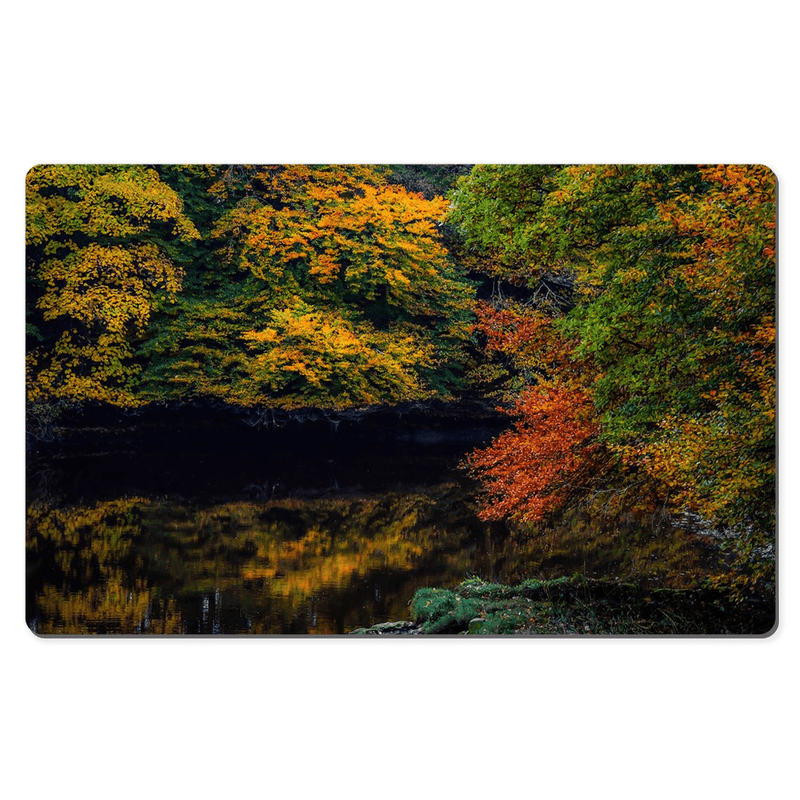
<point x="616" y="321"/>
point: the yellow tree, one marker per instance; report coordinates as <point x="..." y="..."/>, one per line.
<point x="99" y="246"/>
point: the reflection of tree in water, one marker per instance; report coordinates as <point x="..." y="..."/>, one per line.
<point x="133" y="565"/>
<point x="295" y="565"/>
<point x="88" y="568"/>
<point x="643" y="550"/>
<point x="303" y="564"/>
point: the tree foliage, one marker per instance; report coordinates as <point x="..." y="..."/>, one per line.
<point x="633" y="343"/>
<point x="331" y="288"/>
<point x="536" y="466"/>
<point x="98" y="250"/>
<point x="672" y="335"/>
<point x="283" y="286"/>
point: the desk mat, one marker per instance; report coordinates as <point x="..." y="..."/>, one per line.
<point x="401" y="400"/>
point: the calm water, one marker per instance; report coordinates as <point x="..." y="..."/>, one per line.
<point x="264" y="537"/>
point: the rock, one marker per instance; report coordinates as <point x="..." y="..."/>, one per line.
<point x="388" y="629"/>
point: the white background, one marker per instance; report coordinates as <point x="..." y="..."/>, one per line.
<point x="435" y="82"/>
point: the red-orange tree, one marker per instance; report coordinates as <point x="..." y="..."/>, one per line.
<point x="544" y="460"/>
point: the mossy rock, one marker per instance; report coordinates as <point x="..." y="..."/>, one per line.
<point x="576" y="605"/>
<point x="474" y="607"/>
<point x="442" y="611"/>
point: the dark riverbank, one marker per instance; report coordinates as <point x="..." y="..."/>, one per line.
<point x="205" y="453"/>
<point x="218" y="425"/>
<point x="579" y="606"/>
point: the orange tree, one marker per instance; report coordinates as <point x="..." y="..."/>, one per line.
<point x="671" y="338"/>
<point x="330" y="288"/>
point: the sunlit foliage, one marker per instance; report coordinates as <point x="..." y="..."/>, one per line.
<point x="98" y="264"/>
<point x="331" y="289"/>
<point x="281" y="286"/>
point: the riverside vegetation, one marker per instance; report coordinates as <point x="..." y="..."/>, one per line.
<point x="622" y="318"/>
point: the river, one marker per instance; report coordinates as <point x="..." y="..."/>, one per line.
<point x="280" y="532"/>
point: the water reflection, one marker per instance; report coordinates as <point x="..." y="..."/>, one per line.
<point x="292" y="565"/>
<point x="305" y="564"/>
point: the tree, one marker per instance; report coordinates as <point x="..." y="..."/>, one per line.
<point x="98" y="243"/>
<point x="544" y="460"/>
<point x="332" y="289"/>
<point x="672" y="329"/>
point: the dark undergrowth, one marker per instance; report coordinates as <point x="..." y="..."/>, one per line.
<point x="579" y="606"/>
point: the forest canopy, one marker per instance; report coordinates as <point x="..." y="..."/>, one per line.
<point x="622" y="315"/>
<point x="282" y="286"/>
<point x="651" y="380"/>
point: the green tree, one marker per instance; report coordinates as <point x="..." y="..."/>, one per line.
<point x="673" y="324"/>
